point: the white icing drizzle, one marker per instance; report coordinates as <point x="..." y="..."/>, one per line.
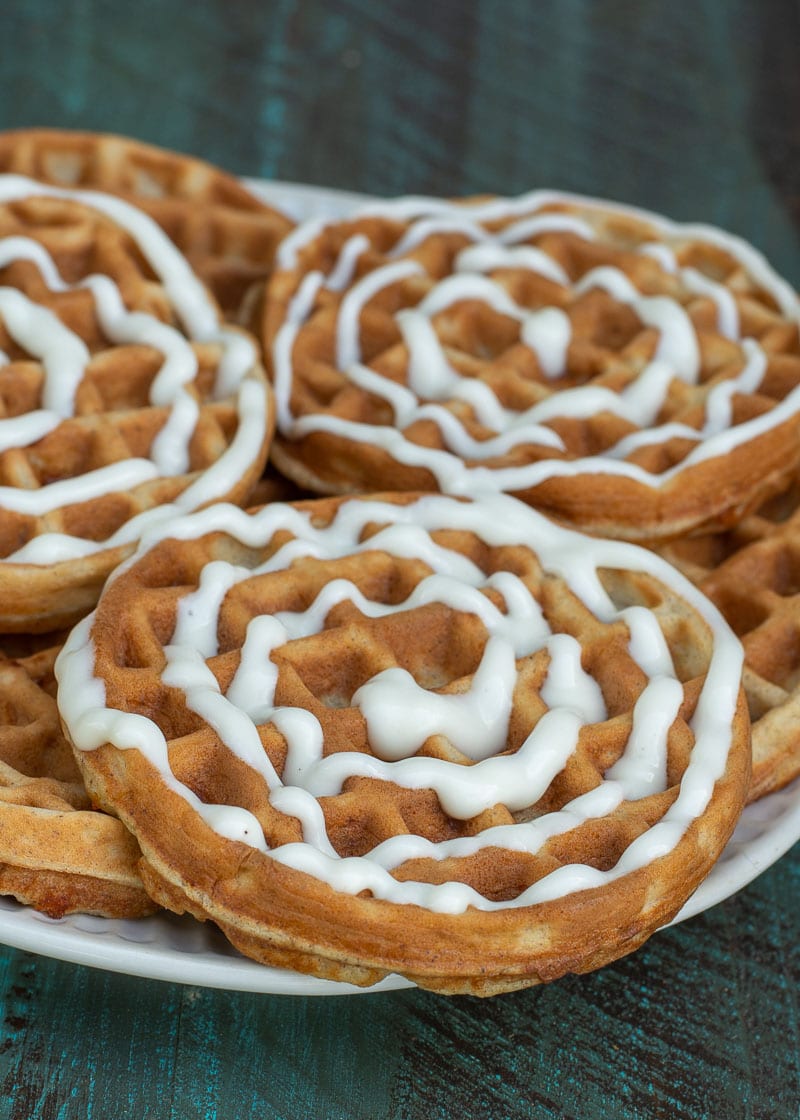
<point x="122" y="476"/>
<point x="299" y="308"/>
<point x="727" y="311"/>
<point x="642" y="769"/>
<point x="477" y="720"/>
<point x="65" y="358"/>
<point x="343" y="270"/>
<point x="63" y="355"/>
<point x="568" y="685"/>
<point x="488" y="257"/>
<point x="216" y="480"/>
<point x="546" y="331"/>
<point x="661" y="253"/>
<point x="677" y="347"/>
<point x="537" y="224"/>
<point x="456" y="222"/>
<point x="400" y="715"/>
<point x="429" y="373"/>
<point x="348" y="347"/>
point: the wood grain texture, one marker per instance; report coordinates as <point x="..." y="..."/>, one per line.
<point x="701" y="1023"/>
<point x="690" y="109"/>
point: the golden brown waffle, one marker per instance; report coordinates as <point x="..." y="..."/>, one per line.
<point x="56" y="853"/>
<point x="628" y="375"/>
<point x="123" y="398"/>
<point x="228" y="235"/>
<point x="273" y="487"/>
<point x="412" y="734"/>
<point x="751" y="572"/>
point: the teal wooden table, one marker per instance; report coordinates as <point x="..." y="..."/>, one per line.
<point x="691" y="109"/>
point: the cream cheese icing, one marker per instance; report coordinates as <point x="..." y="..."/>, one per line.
<point x="400" y="719"/>
<point x="65" y="357"/>
<point x="547" y="332"/>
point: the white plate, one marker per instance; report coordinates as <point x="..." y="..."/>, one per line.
<point x="165" y="947"/>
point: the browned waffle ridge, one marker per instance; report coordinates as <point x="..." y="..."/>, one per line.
<point x="440" y="604"/>
<point x="122" y="394"/>
<point x="752" y="572"/>
<point x="628" y="375"/>
<point x="56" y="853"/>
<point x="228" y="235"/>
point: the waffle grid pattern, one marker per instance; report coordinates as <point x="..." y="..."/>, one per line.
<point x="228" y="235"/>
<point x="752" y="573"/>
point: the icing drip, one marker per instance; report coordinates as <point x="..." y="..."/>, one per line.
<point x="476" y="720"/>
<point x="548" y="333"/>
<point x="568" y="685"/>
<point x="642" y="769"/>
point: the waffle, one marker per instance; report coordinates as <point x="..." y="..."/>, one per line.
<point x="628" y="375"/>
<point x="751" y="572"/>
<point x="227" y="234"/>
<point x="56" y="852"/>
<point x="123" y="398"/>
<point x="411" y="733"/>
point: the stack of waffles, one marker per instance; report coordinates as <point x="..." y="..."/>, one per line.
<point x="476" y="712"/>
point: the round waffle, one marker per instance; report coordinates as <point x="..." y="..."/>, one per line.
<point x="752" y="573"/>
<point x="227" y="234"/>
<point x="56" y="853"/>
<point x="123" y="398"/>
<point x="628" y="375"/>
<point x="411" y="734"/>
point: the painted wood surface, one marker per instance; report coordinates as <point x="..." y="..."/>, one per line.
<point x="688" y="108"/>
